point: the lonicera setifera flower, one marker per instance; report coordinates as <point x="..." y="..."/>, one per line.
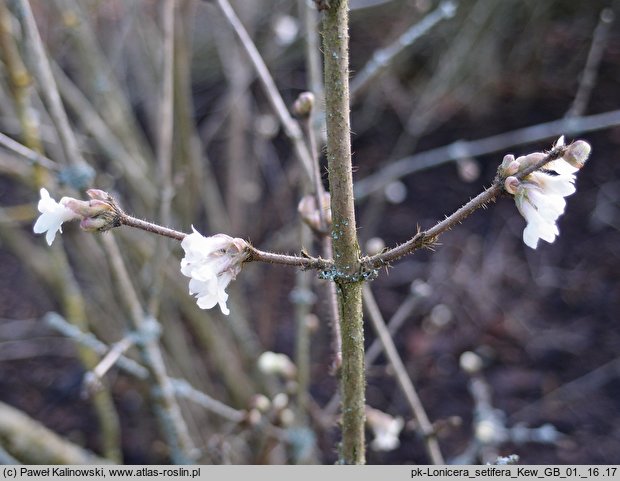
<point x="540" y="195"/>
<point x="212" y="263"/>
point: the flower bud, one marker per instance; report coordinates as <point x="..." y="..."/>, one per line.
<point x="511" y="184"/>
<point x="253" y="417"/>
<point x="470" y="362"/>
<point x="490" y="431"/>
<point x="304" y="104"/>
<point x="94" y="224"/>
<point x="272" y="363"/>
<point x="510" y="166"/>
<point x="577" y="153"/>
<point x="98" y="215"/>
<point x="526" y="161"/>
<point x="92" y="208"/>
<point x="419" y="288"/>
<point x="280" y="401"/>
<point x="310" y="214"/>
<point x="260" y="402"/>
<point x="98" y="194"/>
<point x="312" y="323"/>
<point x="286" y="417"/>
<point x="468" y="169"/>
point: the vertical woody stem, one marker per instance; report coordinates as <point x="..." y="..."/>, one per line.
<point x="345" y="245"/>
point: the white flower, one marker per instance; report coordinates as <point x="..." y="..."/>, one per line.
<point x="540" y="200"/>
<point x="53" y="214"/>
<point x="212" y="263"/>
<point x="385" y="428"/>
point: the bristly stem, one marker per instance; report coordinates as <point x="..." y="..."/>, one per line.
<point x="150" y="227"/>
<point x="428" y="237"/>
<point x="255" y="254"/>
<point x="346" y="252"/>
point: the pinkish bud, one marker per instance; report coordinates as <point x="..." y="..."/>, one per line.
<point x="508" y="158"/>
<point x="304" y="104"/>
<point x="92" y="208"/>
<point x="310" y="214"/>
<point x="526" y="161"/>
<point x="260" y="402"/>
<point x="98" y="194"/>
<point x="93" y="224"/>
<point x="509" y="166"/>
<point x="511" y="184"/>
<point x="577" y="153"/>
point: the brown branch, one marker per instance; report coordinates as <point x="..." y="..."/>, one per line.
<point x="255" y="254"/>
<point x="428" y="237"/>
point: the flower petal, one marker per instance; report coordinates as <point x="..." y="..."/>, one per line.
<point x="211" y="263"/>
<point x="52" y="216"/>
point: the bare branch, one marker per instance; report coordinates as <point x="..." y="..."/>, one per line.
<point x="382" y="58"/>
<point x="462" y="148"/>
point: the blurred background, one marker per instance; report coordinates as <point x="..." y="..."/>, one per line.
<point x="542" y="379"/>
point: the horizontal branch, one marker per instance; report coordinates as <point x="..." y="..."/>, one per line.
<point x="288" y="260"/>
<point x="428" y="237"/>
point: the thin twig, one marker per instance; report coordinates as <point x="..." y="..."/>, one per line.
<point x="113" y="355"/>
<point x="90" y="341"/>
<point x="314" y="71"/>
<point x="428" y="432"/>
<point x="288" y="260"/>
<point x="33" y="157"/>
<point x="372" y="353"/>
<point x="171" y="419"/>
<point x="20" y="83"/>
<point x="181" y="387"/>
<point x="326" y="242"/>
<point x="165" y="120"/>
<point x="382" y="58"/>
<point x="590" y="71"/>
<point x="184" y="389"/>
<point x="150" y="227"/>
<point x="462" y="148"/>
<point x="48" y="86"/>
<point x="428" y="237"/>
<point x="291" y="127"/>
